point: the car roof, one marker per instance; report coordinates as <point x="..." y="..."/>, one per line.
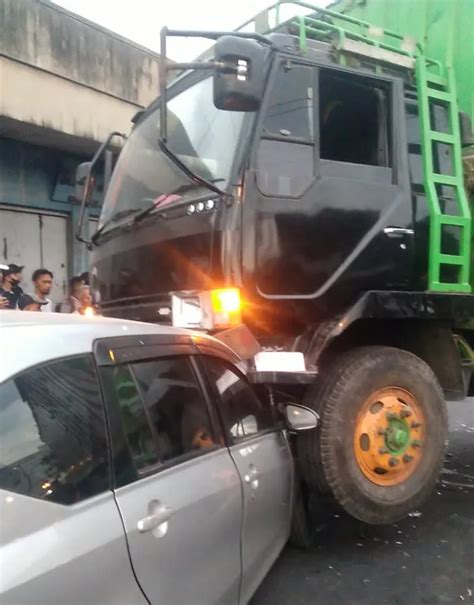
<point x="30" y="338"/>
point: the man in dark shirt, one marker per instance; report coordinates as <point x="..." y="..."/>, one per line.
<point x="10" y="289"/>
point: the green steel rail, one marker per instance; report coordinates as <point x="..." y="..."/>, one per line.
<point x="436" y="85"/>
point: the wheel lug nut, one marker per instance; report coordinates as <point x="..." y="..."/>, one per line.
<point x="416" y="443"/>
<point x="405" y="413"/>
<point x="407" y="458"/>
<point x="394" y="461"/>
<point x="391" y="416"/>
<point x="415" y="425"/>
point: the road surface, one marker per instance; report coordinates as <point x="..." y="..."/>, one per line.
<point x="425" y="559"/>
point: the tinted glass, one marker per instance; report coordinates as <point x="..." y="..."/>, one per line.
<point x="204" y="138"/>
<point x="52" y="433"/>
<point x="290" y="112"/>
<point x="176" y="407"/>
<point x="284" y="168"/>
<point x="244" y="414"/>
<point x="123" y="394"/>
<point x="353" y="120"/>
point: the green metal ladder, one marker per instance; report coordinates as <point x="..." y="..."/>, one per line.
<point x="432" y="88"/>
<point x="436" y="89"/>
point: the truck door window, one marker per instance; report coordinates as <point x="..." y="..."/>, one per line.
<point x="353" y="120"/>
<point x="285" y="157"/>
<point x="290" y="111"/>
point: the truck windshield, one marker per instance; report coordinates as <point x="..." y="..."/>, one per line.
<point x="204" y="139"/>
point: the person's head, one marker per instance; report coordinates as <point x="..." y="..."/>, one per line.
<point x="42" y="281"/>
<point x="85" y="278"/>
<point x="12" y="276"/>
<point x="29" y="303"/>
<point x="2" y="269"/>
<point x="75" y="286"/>
<point x="85" y="297"/>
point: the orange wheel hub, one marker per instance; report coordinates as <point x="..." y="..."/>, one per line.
<point x="388" y="437"/>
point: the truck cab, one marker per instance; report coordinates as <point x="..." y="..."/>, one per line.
<point x="299" y="191"/>
<point x="315" y="203"/>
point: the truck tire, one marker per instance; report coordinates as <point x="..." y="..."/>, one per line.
<point x="381" y="443"/>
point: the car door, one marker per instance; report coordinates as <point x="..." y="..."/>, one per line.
<point x="61" y="536"/>
<point x="176" y="485"/>
<point x="261" y="453"/>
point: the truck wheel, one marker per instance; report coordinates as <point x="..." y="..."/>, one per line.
<point x="380" y="447"/>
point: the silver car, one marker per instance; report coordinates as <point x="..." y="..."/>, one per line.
<point x="137" y="465"/>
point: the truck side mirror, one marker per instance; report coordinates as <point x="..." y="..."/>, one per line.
<point x="83" y="182"/>
<point x="238" y="80"/>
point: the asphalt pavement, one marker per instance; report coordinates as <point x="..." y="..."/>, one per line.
<point x="426" y="559"/>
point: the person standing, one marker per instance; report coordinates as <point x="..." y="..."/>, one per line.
<point x="43" y="282"/>
<point x="72" y="303"/>
<point x="3" y="301"/>
<point x="30" y="303"/>
<point x="11" y="290"/>
<point x="85" y="301"/>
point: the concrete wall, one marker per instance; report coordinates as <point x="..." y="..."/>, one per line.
<point x="52" y="39"/>
<point x="36" y="177"/>
<point x="31" y="98"/>
<point x="66" y="82"/>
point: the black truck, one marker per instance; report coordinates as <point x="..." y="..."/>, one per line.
<point x="283" y="193"/>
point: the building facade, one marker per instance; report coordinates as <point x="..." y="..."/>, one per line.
<point x="65" y="84"/>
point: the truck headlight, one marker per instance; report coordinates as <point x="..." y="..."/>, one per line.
<point x="209" y="310"/>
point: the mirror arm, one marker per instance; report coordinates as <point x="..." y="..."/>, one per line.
<point x="163" y="72"/>
<point x="164" y="67"/>
<point x="87" y="188"/>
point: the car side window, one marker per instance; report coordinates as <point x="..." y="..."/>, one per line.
<point x="137" y="436"/>
<point x="53" y="432"/>
<point x="243" y="413"/>
<point x="176" y="407"/>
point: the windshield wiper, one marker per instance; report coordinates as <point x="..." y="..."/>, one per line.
<point x="168" y="198"/>
<point x="187" y="171"/>
<point x="113" y="219"/>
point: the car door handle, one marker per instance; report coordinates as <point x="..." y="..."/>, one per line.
<point x="398" y="231"/>
<point x="159" y="514"/>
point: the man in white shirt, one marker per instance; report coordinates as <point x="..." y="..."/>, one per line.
<point x="43" y="282"/>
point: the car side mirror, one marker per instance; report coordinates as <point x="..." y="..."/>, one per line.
<point x="83" y="185"/>
<point x="238" y="76"/>
<point x="300" y="418"/>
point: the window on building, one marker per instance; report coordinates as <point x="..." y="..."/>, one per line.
<point x="353" y="118"/>
<point x="244" y="414"/>
<point x="53" y="432"/>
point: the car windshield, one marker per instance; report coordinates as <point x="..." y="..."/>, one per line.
<point x="204" y="139"/>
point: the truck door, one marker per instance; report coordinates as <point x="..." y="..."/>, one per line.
<point x="329" y="202"/>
